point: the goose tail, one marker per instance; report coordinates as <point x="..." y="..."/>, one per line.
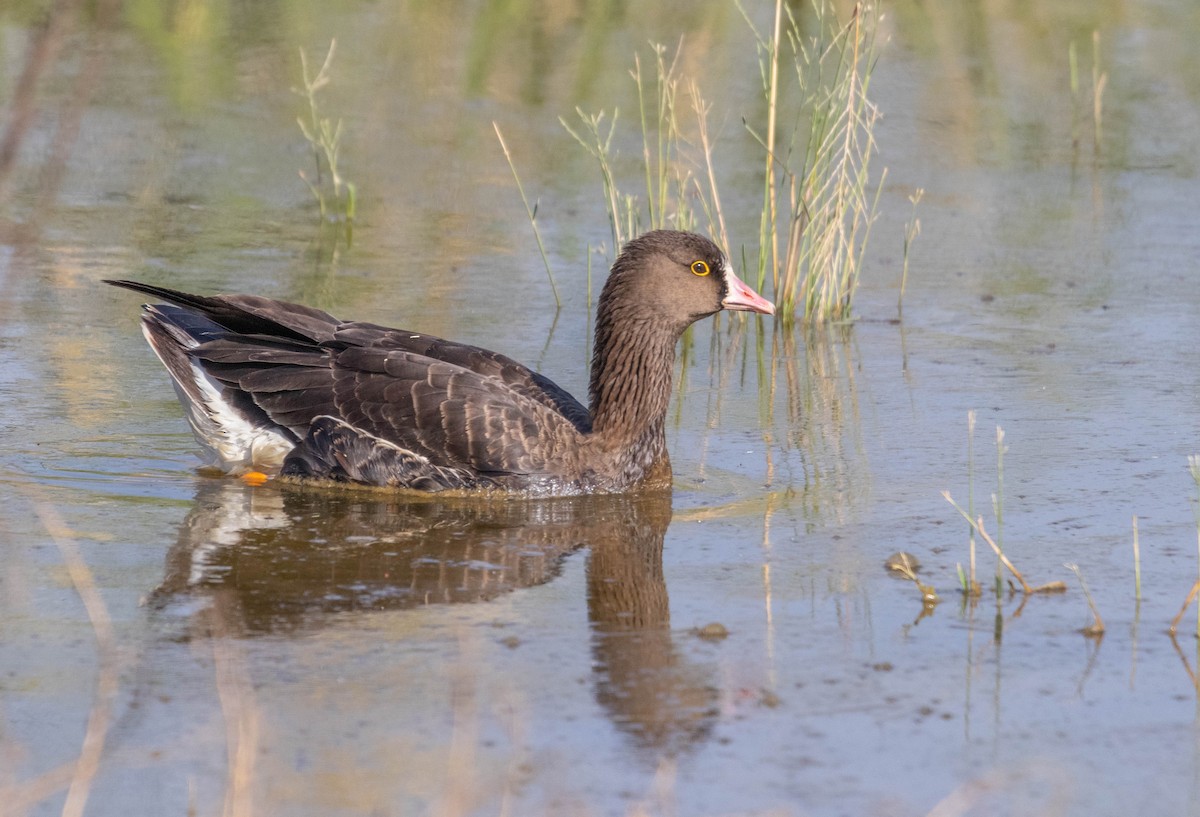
<point x="232" y="437"/>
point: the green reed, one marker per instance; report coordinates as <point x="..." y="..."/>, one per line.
<point x="967" y="582"/>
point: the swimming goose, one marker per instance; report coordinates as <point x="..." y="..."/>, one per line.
<point x="274" y="387"/>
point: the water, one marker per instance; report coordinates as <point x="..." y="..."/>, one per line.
<point x="292" y="652"/>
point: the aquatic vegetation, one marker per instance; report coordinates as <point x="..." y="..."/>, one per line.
<point x="667" y="167"/>
<point x="824" y="211"/>
<point x="1026" y="587"/>
<point x="912" y="229"/>
<point x="906" y="565"/>
<point x="819" y="197"/>
<point x="1096" y="628"/>
<point x="998" y="506"/>
<point x="532" y="213"/>
<point x="967" y="582"/>
<point x="336" y="196"/>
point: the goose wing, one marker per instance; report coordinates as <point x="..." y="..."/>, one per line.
<point x="453" y="416"/>
<point x="284" y="364"/>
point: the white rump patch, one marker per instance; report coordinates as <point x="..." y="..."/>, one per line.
<point x="230" y="441"/>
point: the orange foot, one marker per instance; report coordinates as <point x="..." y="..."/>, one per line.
<point x="254" y="478"/>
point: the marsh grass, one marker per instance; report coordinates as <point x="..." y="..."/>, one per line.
<point x="668" y="167"/>
<point x="968" y="583"/>
<point x="336" y="196"/>
<point x="1097" y="627"/>
<point x="531" y="212"/>
<point x="1003" y="560"/>
<point x="818" y="202"/>
<point x="998" y="506"/>
<point x="819" y="197"/>
<point x="912" y="229"/>
<point x="969" y="586"/>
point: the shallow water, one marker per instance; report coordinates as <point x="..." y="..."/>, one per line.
<point x="282" y="651"/>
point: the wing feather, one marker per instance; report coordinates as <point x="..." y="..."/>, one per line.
<point x="458" y="406"/>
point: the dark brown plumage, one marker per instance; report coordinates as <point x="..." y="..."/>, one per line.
<point x="268" y="385"/>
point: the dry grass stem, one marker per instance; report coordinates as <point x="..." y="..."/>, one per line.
<point x="971" y="586"/>
<point x="904" y="566"/>
<point x="1137" y="562"/>
<point x="712" y="201"/>
<point x="1191" y="596"/>
<point x="911" y="230"/>
<point x="531" y="212"/>
<point x="977" y="524"/>
<point x="1096" y="628"/>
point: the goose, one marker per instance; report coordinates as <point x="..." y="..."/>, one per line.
<point x="275" y="388"/>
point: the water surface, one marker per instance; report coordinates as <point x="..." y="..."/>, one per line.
<point x="288" y="652"/>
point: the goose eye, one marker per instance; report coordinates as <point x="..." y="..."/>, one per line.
<point x="700" y="268"/>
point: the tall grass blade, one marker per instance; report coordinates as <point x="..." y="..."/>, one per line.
<point x="532" y="213"/>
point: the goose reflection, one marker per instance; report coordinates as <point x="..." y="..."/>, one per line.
<point x="279" y="559"/>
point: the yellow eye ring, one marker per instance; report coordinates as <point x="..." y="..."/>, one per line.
<point x="700" y="268"/>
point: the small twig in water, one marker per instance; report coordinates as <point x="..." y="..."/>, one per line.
<point x="906" y="565"/>
<point x="1191" y="596"/>
<point x="1096" y="628"/>
<point x="977" y="524"/>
